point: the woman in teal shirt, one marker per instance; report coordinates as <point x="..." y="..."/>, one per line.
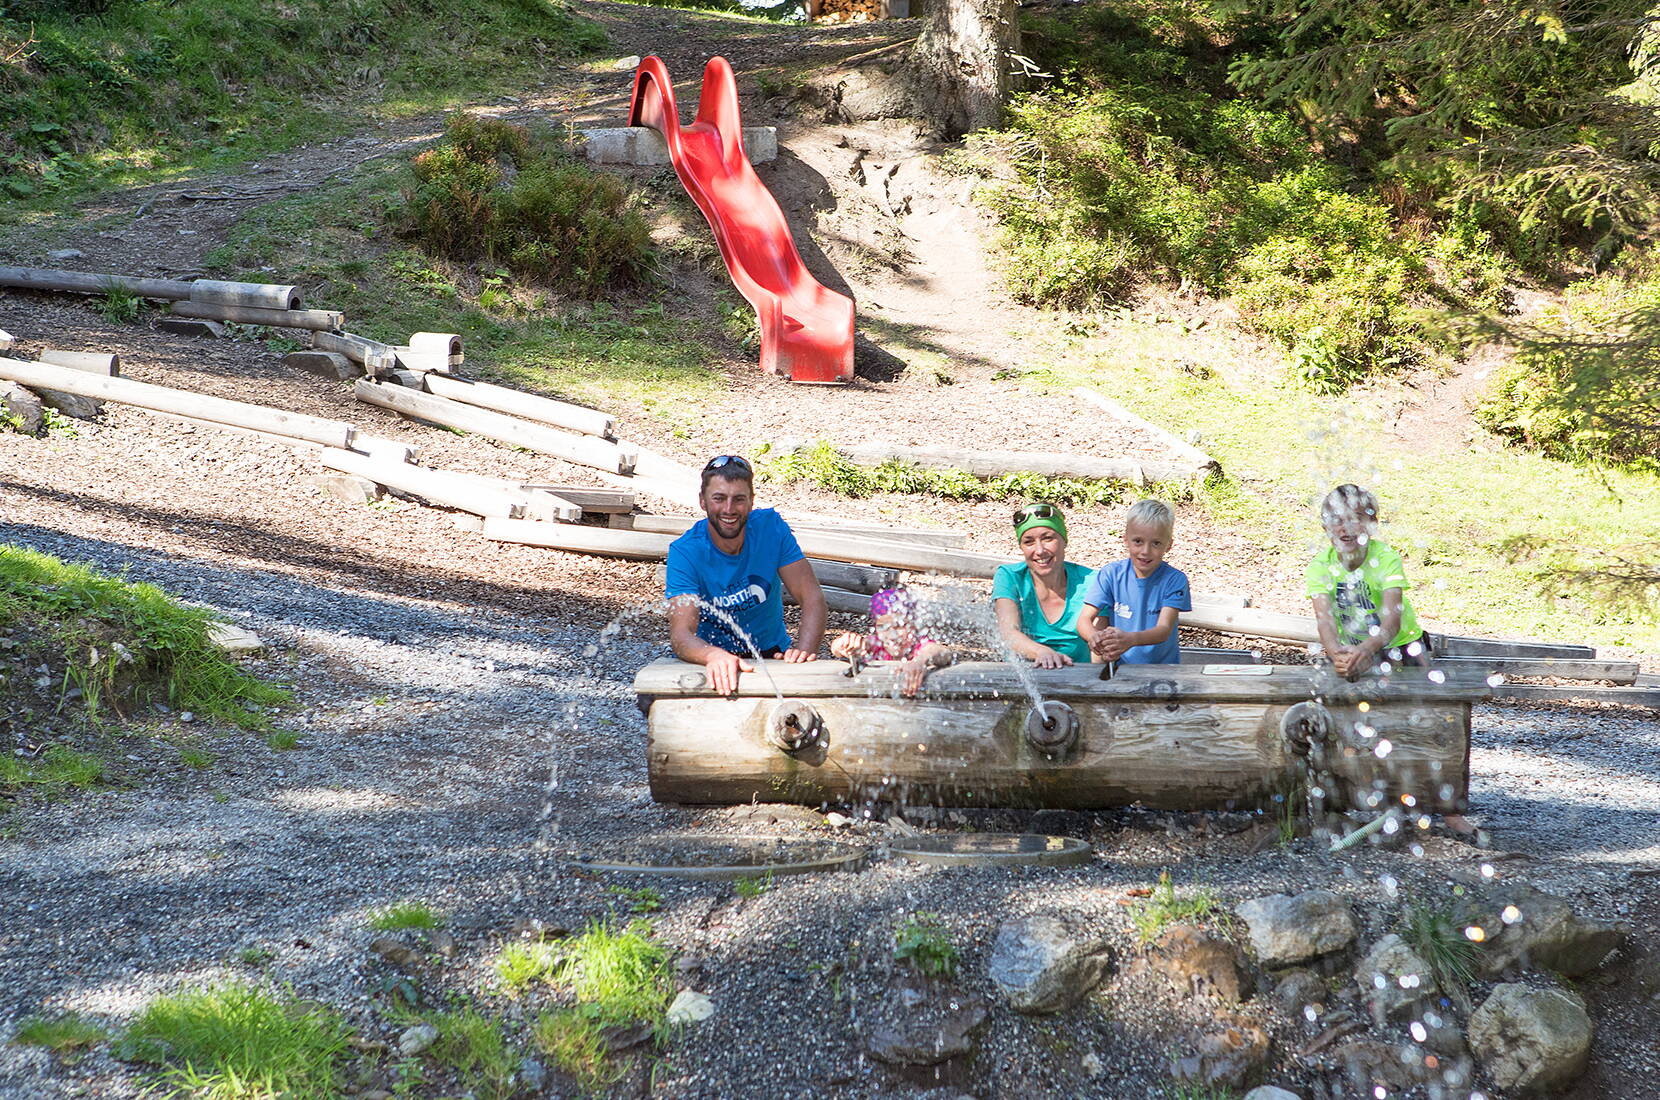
<point x="1037" y="599"/>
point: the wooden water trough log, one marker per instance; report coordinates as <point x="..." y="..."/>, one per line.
<point x="86" y="282"/>
<point x="107" y="364"/>
<point x="951" y="540"/>
<point x="581" y="449"/>
<point x="329" y="433"/>
<point x="443" y="345"/>
<point x="589" y="499"/>
<point x="1138" y="471"/>
<point x="560" y="414"/>
<point x="1176" y="737"/>
<point x="375" y="357"/>
<point x="316" y="320"/>
<point x="255" y="295"/>
<point x="481" y="496"/>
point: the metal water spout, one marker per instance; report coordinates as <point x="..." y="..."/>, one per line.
<point x="1052" y="729"/>
<point x="795" y="727"/>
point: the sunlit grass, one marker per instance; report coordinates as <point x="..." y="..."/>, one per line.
<point x="56" y="770"/>
<point x="476" y="1048"/>
<point x="68" y="1036"/>
<point x="405" y="914"/>
<point x="236" y="1042"/>
<point x="1450" y="514"/>
<point x="1163" y="907"/>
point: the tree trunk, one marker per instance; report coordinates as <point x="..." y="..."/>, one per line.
<point x="961" y="64"/>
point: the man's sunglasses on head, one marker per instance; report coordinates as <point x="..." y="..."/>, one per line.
<point x="721" y="462"/>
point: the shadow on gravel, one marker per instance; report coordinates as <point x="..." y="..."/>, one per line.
<point x="1564" y="825"/>
<point x="260" y="543"/>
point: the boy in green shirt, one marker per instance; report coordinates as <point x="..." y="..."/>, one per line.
<point x="1358" y="585"/>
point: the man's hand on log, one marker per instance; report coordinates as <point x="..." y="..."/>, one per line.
<point x="794" y="656"/>
<point x="723" y="669"/>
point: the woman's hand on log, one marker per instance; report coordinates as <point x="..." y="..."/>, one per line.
<point x="723" y="669"/>
<point x="1051" y="658"/>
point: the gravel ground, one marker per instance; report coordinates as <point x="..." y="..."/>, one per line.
<point x="428" y="771"/>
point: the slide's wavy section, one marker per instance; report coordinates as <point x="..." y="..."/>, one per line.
<point x="806" y="328"/>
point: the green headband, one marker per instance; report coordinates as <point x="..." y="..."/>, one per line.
<point x="1056" y="523"/>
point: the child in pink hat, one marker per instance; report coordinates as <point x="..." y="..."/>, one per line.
<point x="895" y="638"/>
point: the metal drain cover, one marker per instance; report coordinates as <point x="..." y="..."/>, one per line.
<point x="971" y="849"/>
<point x="716" y="857"/>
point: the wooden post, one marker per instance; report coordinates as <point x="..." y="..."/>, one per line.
<point x="317" y="320"/>
<point x="452" y="489"/>
<point x="377" y="358"/>
<point x="86" y="282"/>
<point x="331" y="433"/>
<point x="1203" y="464"/>
<point x="559" y="414"/>
<point x="583" y="450"/>
<point x="92" y="362"/>
<point x="256" y="295"/>
<point x="580" y="538"/>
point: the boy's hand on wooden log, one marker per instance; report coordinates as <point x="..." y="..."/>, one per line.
<point x="1111" y="643"/>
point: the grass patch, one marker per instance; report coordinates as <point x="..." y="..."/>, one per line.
<point x="67" y="1036"/>
<point x="496" y="193"/>
<point x="193" y="756"/>
<point x="236" y="1042"/>
<point x="1438" y="937"/>
<point x="575" y="1040"/>
<point x="618" y="977"/>
<point x="750" y="887"/>
<point x="119" y="639"/>
<point x="475" y="1047"/>
<point x="642" y="899"/>
<point x="1454" y="516"/>
<point x="826" y="467"/>
<point x="282" y="740"/>
<point x="522" y="965"/>
<point x="923" y="941"/>
<point x="405" y="914"/>
<point x="58" y="769"/>
<point x="131" y="91"/>
<point x="335" y="241"/>
<point x="1153" y="914"/>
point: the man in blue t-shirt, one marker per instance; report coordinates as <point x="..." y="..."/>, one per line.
<point x="1131" y="606"/>
<point x="734" y="565"/>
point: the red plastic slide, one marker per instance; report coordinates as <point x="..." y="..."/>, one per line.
<point x="806" y="328"/>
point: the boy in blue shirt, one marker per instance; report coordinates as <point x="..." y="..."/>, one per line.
<point x="739" y="559"/>
<point x="1131" y="606"/>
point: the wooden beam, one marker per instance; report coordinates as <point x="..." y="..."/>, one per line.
<point x="580" y="538"/>
<point x="1203" y="464"/>
<point x="1453" y="645"/>
<point x="839" y="599"/>
<point x="864" y="579"/>
<point x="560" y="414"/>
<point x="1627" y="696"/>
<point x="581" y="449"/>
<point x="444" y="345"/>
<point x="898" y="554"/>
<point x="331" y="433"/>
<point x="375" y="357"/>
<point x="1618" y="672"/>
<point x="997" y="463"/>
<point x="86" y="282"/>
<point x="255" y="295"/>
<point x="91" y="362"/>
<point x="603" y="501"/>
<point x="1252" y="622"/>
<point x="450" y="488"/>
<point x="299" y="446"/>
<point x="316" y="320"/>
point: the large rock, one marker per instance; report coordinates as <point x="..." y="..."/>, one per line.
<point x="923" y="1022"/>
<point x="1226" y="1058"/>
<point x="22" y="407"/>
<point x="1531" y="1042"/>
<point x="1197" y="962"/>
<point x="1392" y="978"/>
<point x="1271" y="1092"/>
<point x="1523" y="928"/>
<point x="1287" y="929"/>
<point x="1040" y="966"/>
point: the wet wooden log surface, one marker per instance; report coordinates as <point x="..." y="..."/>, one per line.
<point x="1178" y="737"/>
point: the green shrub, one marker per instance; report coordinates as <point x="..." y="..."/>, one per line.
<point x="236" y="1042"/>
<point x="119" y="638"/>
<point x="826" y="467"/>
<point x="493" y="193"/>
<point x="1588" y="388"/>
<point x="1139" y="162"/>
<point x="923" y="940"/>
<point x="1162" y="908"/>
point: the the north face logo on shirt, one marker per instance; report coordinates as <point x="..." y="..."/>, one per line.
<point x="753" y="594"/>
